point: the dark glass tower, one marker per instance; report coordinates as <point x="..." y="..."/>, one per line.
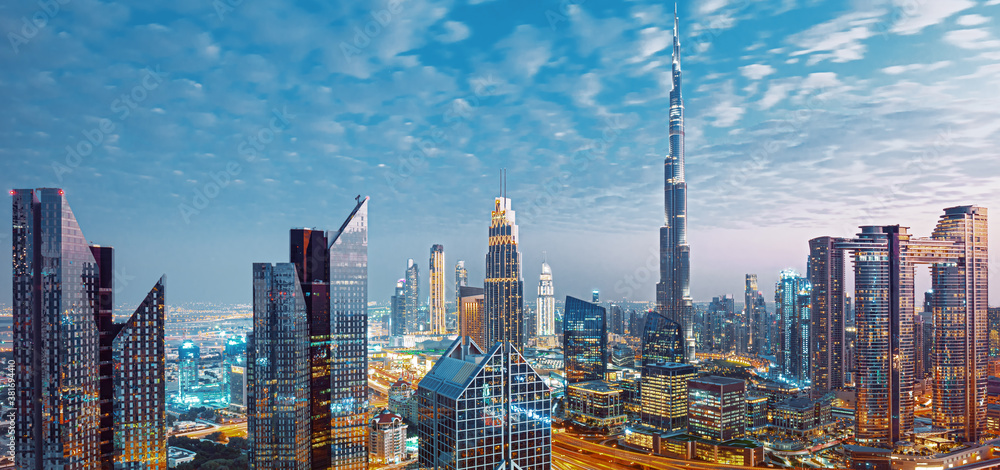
<point x="662" y="340"/>
<point x="793" y="305"/>
<point x="278" y="367"/>
<point x="673" y="292"/>
<point x="310" y="253"/>
<point x="585" y="341"/>
<point x="504" y="296"/>
<point x="89" y="392"/>
<point x="349" y="340"/>
<point x="397" y="310"/>
<point x="412" y="293"/>
<point x="826" y="274"/>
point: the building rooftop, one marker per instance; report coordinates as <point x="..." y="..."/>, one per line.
<point x="717" y="380"/>
<point x="599" y="386"/>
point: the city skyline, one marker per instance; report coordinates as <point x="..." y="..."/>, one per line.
<point x="764" y="75"/>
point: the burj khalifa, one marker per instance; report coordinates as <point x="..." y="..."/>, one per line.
<point x="673" y="292"/>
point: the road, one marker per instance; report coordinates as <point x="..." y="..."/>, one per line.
<point x="230" y="430"/>
<point x="563" y="444"/>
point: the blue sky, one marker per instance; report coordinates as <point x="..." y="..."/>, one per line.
<point x="204" y="129"/>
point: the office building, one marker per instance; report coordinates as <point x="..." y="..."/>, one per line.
<point x="412" y="293"/>
<point x="673" y="292"/>
<point x="470" y="313"/>
<point x="309" y="252"/>
<point x="387" y="438"/>
<point x="189" y="357"/>
<point x="596" y="404"/>
<point x="461" y="277"/>
<point x="438" y="314"/>
<point x="755" y="314"/>
<point x="616" y="320"/>
<point x="662" y="340"/>
<point x="349" y="340"/>
<point x="717" y="408"/>
<point x="89" y="392"/>
<point x="545" y="305"/>
<point x="919" y="343"/>
<point x="720" y="327"/>
<point x="664" y="395"/>
<point x="803" y="416"/>
<point x="826" y="275"/>
<point x="793" y="304"/>
<point x="504" y="296"/>
<point x="279" y="426"/>
<point x="238" y="385"/>
<point x="397" y="310"/>
<point x="993" y="326"/>
<point x="585" y="341"/>
<point x="756" y="413"/>
<point x="484" y="411"/>
<point x="595" y="296"/>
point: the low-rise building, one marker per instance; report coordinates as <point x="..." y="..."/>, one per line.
<point x="596" y="404"/>
<point x="403" y="401"/>
<point x="177" y="456"/>
<point x="387" y="438"/>
<point x="803" y="416"/>
<point x="756" y="413"/>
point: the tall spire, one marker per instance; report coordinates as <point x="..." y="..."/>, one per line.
<point x="677" y="41"/>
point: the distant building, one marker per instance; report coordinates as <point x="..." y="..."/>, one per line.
<point x="717" y="408"/>
<point x="238" y="385"/>
<point x="662" y="340"/>
<point x="665" y="395"/>
<point x="596" y="295"/>
<point x="756" y="413"/>
<point x="545" y="305"/>
<point x="189" y="357"/>
<point x="596" y="404"/>
<point x="437" y="311"/>
<point x="803" y="416"/>
<point x="412" y="293"/>
<point x="387" y="439"/>
<point x="585" y="341"/>
<point x="403" y="401"/>
<point x="461" y="278"/>
<point x="469" y="418"/>
<point x="827" y="281"/>
<point x="471" y="313"/>
<point x="793" y="304"/>
<point x="756" y="314"/>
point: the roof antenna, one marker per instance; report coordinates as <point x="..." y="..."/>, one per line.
<point x="505" y="183"/>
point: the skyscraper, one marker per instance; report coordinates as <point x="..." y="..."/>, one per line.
<point x="189" y="357"/>
<point x="88" y="392"/>
<point x="412" y="293"/>
<point x="439" y="316"/>
<point x="793" y="304"/>
<point x="471" y="312"/>
<point x="309" y="252"/>
<point x="826" y="274"/>
<point x="545" y="305"/>
<point x="397" y="310"/>
<point x="504" y="297"/>
<point x="756" y="316"/>
<point x="484" y="411"/>
<point x="673" y="292"/>
<point x="662" y="340"/>
<point x="717" y="408"/>
<point x="349" y="340"/>
<point x="585" y="341"/>
<point x="665" y="395"/>
<point x="461" y="277"/>
<point x="278" y="371"/>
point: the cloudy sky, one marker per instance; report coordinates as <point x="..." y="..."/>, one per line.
<point x="192" y="134"/>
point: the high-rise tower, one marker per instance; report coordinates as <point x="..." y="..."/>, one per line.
<point x="461" y="279"/>
<point x="504" y="298"/>
<point x="412" y="293"/>
<point x="436" y="268"/>
<point x="826" y="274"/>
<point x="673" y="292"/>
<point x="349" y="340"/>
<point x="545" y="305"/>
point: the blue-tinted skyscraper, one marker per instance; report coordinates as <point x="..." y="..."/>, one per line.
<point x="279" y="424"/>
<point x="349" y="340"/>
<point x="585" y="341"/>
<point x="662" y="340"/>
<point x="673" y="292"/>
<point x="793" y="304"/>
<point x="189" y="357"/>
<point x="484" y="411"/>
<point x="397" y="310"/>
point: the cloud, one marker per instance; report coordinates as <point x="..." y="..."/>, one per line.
<point x="901" y="69"/>
<point x="526" y="51"/>
<point x="756" y="71"/>
<point x="727" y="108"/>
<point x="838" y="40"/>
<point x="454" y="31"/>
<point x="977" y="38"/>
<point x="971" y="20"/>
<point x="776" y="92"/>
<point x="914" y="16"/>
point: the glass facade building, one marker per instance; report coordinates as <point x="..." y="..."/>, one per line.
<point x="461" y="278"/>
<point x="826" y="275"/>
<point x="89" y="392"/>
<point x="717" y="408"/>
<point x="437" y="312"/>
<point x="793" y="304"/>
<point x="585" y="341"/>
<point x="412" y="293"/>
<point x="662" y="340"/>
<point x="278" y="369"/>
<point x="665" y="395"/>
<point x="504" y="296"/>
<point x="189" y="357"/>
<point x="755" y="314"/>
<point x="470" y="313"/>
<point x="673" y="292"/>
<point x="397" y="310"/>
<point x="349" y="340"/>
<point x="484" y="411"/>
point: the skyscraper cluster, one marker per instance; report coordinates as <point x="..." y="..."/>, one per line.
<point x="89" y="391"/>
<point x="307" y="356"/>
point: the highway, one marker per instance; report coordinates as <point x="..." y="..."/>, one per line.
<point x="563" y="444"/>
<point x="230" y="430"/>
